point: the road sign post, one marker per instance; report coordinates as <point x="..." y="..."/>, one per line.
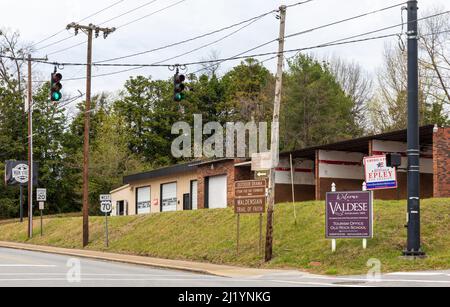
<point x="106" y="207"/>
<point x="250" y="198"/>
<point x="41" y="198"/>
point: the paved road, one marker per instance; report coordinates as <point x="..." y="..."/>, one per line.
<point x="24" y="268"/>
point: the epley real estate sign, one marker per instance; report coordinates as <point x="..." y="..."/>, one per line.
<point x="378" y="175"/>
<point x="349" y="215"/>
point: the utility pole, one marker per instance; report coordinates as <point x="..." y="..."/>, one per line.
<point x="30" y="145"/>
<point x="89" y="31"/>
<point x="275" y="136"/>
<point x="413" y="245"/>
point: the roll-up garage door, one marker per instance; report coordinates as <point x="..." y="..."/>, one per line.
<point x="143" y="200"/>
<point x="169" y="197"/>
<point x="217" y="192"/>
<point x="194" y="195"/>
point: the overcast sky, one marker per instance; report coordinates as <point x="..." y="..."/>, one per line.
<point x="36" y="20"/>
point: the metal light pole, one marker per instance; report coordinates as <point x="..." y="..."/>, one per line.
<point x="413" y="245"/>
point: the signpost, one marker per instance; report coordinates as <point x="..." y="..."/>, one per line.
<point x="250" y="198"/>
<point x="348" y="215"/>
<point x="41" y="198"/>
<point x="378" y="175"/>
<point x="106" y="207"/>
<point x="16" y="173"/>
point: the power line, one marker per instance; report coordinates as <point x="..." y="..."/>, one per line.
<point x="190" y="39"/>
<point x="68" y="48"/>
<point x="345" y="20"/>
<point x="151" y="14"/>
<point x="128" y="12"/>
<point x="234" y="57"/>
<point x="257" y="17"/>
<point x="92" y="15"/>
<point x="174" y="57"/>
<point x="116" y="17"/>
<point x="336" y="22"/>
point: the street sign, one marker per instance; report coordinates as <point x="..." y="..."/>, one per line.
<point x="250" y="196"/>
<point x="250" y="188"/>
<point x="16" y="173"/>
<point x="261" y="161"/>
<point x="378" y="175"/>
<point x="41" y="205"/>
<point x="262" y="174"/>
<point x="105" y="197"/>
<point x="106" y="206"/>
<point x="250" y="205"/>
<point x="349" y="215"/>
<point x="41" y="195"/>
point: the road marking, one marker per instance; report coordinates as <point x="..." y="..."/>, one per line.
<point x="415" y="274"/>
<point x="318" y="284"/>
<point x="27" y="266"/>
<point x="381" y="280"/>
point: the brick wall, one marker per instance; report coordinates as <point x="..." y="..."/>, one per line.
<point x="441" y="162"/>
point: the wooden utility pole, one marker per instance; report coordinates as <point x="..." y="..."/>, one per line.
<point x="89" y="30"/>
<point x="30" y="143"/>
<point x="275" y="135"/>
<point x="30" y="149"/>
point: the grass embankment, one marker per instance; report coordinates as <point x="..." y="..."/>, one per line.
<point x="210" y="236"/>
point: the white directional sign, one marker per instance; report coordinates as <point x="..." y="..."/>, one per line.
<point x="261" y="161"/>
<point x="105" y="197"/>
<point x="106" y="206"/>
<point x="41" y="194"/>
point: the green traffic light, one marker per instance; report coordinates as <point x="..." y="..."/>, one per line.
<point x="56" y="96"/>
<point x="178" y="97"/>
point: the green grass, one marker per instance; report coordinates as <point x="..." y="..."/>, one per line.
<point x="210" y="236"/>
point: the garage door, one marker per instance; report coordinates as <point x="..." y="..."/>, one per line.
<point x="169" y="197"/>
<point x="143" y="200"/>
<point x="194" y="189"/>
<point x="217" y="192"/>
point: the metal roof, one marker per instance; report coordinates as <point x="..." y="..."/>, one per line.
<point x="161" y="172"/>
<point x="361" y="144"/>
<point x="354" y="145"/>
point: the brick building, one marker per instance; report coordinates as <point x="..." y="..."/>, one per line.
<point x="210" y="184"/>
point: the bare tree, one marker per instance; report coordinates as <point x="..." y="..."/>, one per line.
<point x="435" y="51"/>
<point x="211" y="69"/>
<point x="11" y="66"/>
<point x="356" y="83"/>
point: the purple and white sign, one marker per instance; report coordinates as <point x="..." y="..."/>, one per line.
<point x="349" y="215"/>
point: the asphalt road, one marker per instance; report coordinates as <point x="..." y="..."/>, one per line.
<point x="32" y="269"/>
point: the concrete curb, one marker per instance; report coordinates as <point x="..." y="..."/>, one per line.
<point x="188" y="266"/>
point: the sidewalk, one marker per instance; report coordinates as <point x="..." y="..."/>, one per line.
<point x="190" y="266"/>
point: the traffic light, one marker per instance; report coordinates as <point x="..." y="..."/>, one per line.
<point x="55" y="87"/>
<point x="179" y="87"/>
<point x="393" y="160"/>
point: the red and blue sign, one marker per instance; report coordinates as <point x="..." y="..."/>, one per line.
<point x="378" y="175"/>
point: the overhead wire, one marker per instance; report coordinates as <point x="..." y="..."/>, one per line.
<point x="87" y="17"/>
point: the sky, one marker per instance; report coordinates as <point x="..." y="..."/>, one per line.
<point x="41" y="19"/>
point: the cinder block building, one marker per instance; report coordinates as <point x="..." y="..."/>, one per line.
<point x="210" y="184"/>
